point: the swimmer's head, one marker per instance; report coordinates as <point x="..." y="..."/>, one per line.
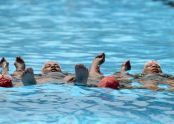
<point x="51" y="66"/>
<point x="152" y="67"/>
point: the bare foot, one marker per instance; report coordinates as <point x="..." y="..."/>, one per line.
<point x="126" y="66"/>
<point x="5" y="66"/>
<point x="2" y="61"/>
<point x="81" y="73"/>
<point x="95" y="66"/>
<point x="20" y="67"/>
<point x="28" y="77"/>
<point x="122" y="76"/>
<point x="19" y="63"/>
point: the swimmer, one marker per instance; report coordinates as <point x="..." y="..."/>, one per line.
<point x="80" y="78"/>
<point x="94" y="71"/>
<point x="51" y="72"/>
<point x="152" y="76"/>
<point x="24" y="77"/>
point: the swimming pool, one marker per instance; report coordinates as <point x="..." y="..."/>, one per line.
<point x="73" y="32"/>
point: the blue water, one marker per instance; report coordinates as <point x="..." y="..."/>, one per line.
<point x="74" y="31"/>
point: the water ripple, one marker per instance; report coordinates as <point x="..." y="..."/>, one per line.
<point x="74" y="32"/>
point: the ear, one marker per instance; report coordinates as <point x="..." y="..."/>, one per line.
<point x="43" y="70"/>
<point x="126" y="66"/>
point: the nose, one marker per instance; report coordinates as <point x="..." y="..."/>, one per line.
<point x="53" y="67"/>
<point x="154" y="66"/>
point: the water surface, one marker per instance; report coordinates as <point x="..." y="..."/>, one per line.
<point x="74" y="31"/>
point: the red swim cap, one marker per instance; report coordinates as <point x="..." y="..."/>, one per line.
<point x="109" y="82"/>
<point x="5" y="81"/>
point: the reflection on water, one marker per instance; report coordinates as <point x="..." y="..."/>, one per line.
<point x="73" y="32"/>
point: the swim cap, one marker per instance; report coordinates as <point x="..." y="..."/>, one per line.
<point x="5" y="81"/>
<point x="109" y="82"/>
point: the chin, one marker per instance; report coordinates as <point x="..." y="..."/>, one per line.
<point x="155" y="71"/>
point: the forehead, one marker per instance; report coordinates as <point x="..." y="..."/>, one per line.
<point x="152" y="63"/>
<point x="51" y="63"/>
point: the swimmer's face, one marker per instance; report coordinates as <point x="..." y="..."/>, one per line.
<point x="51" y="67"/>
<point x="100" y="58"/>
<point x="152" y="67"/>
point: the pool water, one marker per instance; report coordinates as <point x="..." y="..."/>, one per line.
<point x="51" y="103"/>
<point x="74" y="31"/>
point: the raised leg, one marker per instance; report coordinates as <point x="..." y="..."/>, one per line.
<point x="94" y="71"/>
<point x="20" y="67"/>
<point x="126" y="66"/>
